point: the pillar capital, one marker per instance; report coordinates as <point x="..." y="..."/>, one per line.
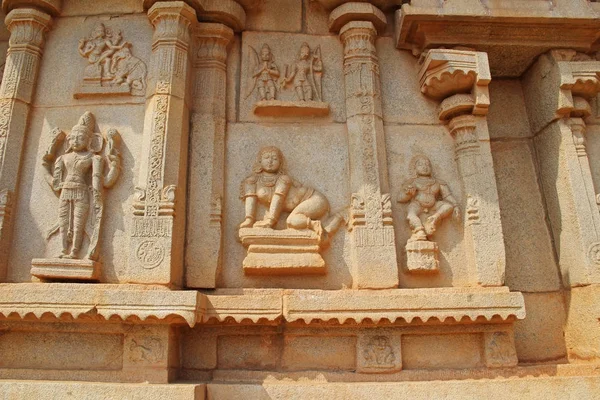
<point x="227" y="12"/>
<point x="356" y="12"/>
<point x="27" y="28"/>
<point x="446" y="72"/>
<point x="52" y="7"/>
<point x="211" y="40"/>
<point x="171" y="21"/>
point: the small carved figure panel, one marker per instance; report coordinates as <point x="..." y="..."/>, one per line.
<point x="378" y="354"/>
<point x="308" y="222"/>
<point x="90" y="164"/>
<point x="112" y="68"/>
<point x="428" y="199"/>
<point x="296" y="91"/>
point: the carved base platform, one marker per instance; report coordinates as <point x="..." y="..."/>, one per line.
<point x="281" y="108"/>
<point x="422" y="257"/>
<point x="97" y="90"/>
<point x="49" y="269"/>
<point x="282" y="252"/>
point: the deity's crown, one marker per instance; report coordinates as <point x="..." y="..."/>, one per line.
<point x="85" y="124"/>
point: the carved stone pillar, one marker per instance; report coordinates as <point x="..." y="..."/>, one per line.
<point x="557" y="89"/>
<point x="460" y="79"/>
<point x="27" y="35"/>
<point x="374" y="262"/>
<point x="207" y="155"/>
<point x="156" y="249"/>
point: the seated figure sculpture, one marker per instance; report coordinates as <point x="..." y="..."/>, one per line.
<point x="294" y="250"/>
<point x="426" y="194"/>
<point x="272" y="187"/>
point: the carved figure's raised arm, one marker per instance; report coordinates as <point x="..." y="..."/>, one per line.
<point x="408" y="192"/>
<point x="114" y="160"/>
<point x="57" y="175"/>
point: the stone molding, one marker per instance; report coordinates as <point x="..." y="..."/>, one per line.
<point x="142" y="304"/>
<point x="52" y="7"/>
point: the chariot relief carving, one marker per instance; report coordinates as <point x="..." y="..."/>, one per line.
<point x="90" y="164"/>
<point x="308" y="225"/>
<point x="112" y="68"/>
<point x="300" y="83"/>
<point x="430" y="199"/>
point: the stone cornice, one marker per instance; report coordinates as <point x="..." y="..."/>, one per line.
<point x="513" y="37"/>
<point x="52" y="7"/>
<point x="135" y="303"/>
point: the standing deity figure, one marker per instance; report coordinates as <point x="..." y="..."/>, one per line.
<point x="426" y="196"/>
<point x="78" y="178"/>
<point x="264" y="74"/>
<point x="99" y="49"/>
<point x="271" y="186"/>
<point x="305" y="74"/>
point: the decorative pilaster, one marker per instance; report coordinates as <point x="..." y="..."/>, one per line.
<point x="374" y="262"/>
<point x="28" y="28"/>
<point x="460" y="79"/>
<point x="557" y="90"/>
<point x="203" y="252"/>
<point x="156" y="249"/>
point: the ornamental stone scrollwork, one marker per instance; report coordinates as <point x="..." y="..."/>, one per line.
<point x="294" y="250"/>
<point x="303" y="77"/>
<point x="112" y="68"/>
<point x="430" y="198"/>
<point x="78" y="178"/>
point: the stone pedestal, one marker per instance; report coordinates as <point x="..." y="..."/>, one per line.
<point x="282" y="252"/>
<point x="280" y="108"/>
<point x="63" y="269"/>
<point x="422" y="257"/>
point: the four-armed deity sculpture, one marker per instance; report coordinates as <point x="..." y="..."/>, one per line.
<point x="306" y="233"/>
<point x="78" y="178"/>
<point x="428" y="198"/>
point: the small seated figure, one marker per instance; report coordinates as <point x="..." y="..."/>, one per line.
<point x="379" y="353"/>
<point x="271" y="186"/>
<point x="265" y="74"/>
<point x="425" y="195"/>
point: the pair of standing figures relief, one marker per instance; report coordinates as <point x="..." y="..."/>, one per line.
<point x="305" y="74"/>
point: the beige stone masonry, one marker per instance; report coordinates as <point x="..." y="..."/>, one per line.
<point x="157" y="239"/>
<point x="227" y="12"/>
<point x="373" y="263"/>
<point x="207" y="140"/>
<point x="557" y="91"/>
<point x="52" y="7"/>
<point x="497" y="26"/>
<point x="28" y="28"/>
<point x="461" y="79"/>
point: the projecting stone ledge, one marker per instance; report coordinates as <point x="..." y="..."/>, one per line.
<point x="280" y="108"/>
<point x="463" y="305"/>
<point x="122" y="302"/>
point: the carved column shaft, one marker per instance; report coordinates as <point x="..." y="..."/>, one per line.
<point x="460" y="78"/>
<point x="556" y="90"/>
<point x="159" y="212"/>
<point x="27" y="35"/>
<point x="372" y="234"/>
<point x="484" y="243"/>
<point x="207" y="156"/>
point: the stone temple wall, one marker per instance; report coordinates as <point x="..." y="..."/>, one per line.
<point x="277" y="199"/>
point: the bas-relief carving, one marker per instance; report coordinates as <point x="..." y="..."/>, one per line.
<point x="112" y="68"/>
<point x="303" y="76"/>
<point x="78" y="178"/>
<point x="308" y="227"/>
<point x="378" y="354"/>
<point x="429" y="198"/>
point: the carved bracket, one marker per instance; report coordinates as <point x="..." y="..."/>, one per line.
<point x="447" y="72"/>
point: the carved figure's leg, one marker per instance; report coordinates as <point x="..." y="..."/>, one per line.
<point x="63" y="225"/>
<point x="307" y="214"/>
<point x="262" y="91"/>
<point x="299" y="92"/>
<point x="271" y="90"/>
<point x="308" y="92"/>
<point x="442" y="209"/>
<point x="80" y="213"/>
<point x="413" y="211"/>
